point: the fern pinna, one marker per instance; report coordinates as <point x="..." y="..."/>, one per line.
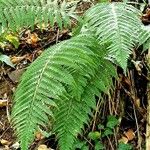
<point x="61" y="85"/>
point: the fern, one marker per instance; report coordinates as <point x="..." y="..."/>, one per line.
<point x="61" y="85"/>
<point x="49" y="80"/>
<point x="23" y="13"/>
<point x="117" y="23"/>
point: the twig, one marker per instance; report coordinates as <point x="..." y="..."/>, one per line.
<point x="7" y="112"/>
<point x="110" y="143"/>
<point x="97" y="110"/>
<point x="109" y="104"/>
<point x="137" y="128"/>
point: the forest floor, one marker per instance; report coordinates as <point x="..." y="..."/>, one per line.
<point x="128" y="102"/>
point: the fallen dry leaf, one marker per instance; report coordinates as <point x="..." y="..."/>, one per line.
<point x="39" y="136"/>
<point x="3" y="103"/>
<point x="130" y="134"/>
<point x="138" y="66"/>
<point x="33" y="39"/>
<point x="5" y="90"/>
<point x="137" y="102"/>
<point x="146" y="17"/>
<point x="5" y="142"/>
<point x="16" y="60"/>
<point x="5" y="147"/>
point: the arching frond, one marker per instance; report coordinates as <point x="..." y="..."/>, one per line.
<point x="53" y="77"/>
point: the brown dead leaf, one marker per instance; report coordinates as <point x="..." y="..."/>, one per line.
<point x="137" y="102"/>
<point x="39" y="136"/>
<point x="29" y="57"/>
<point x="138" y="66"/>
<point x="130" y="134"/>
<point x="5" y="89"/>
<point x="3" y="103"/>
<point x="124" y="80"/>
<point x="127" y="81"/>
<point x="16" y="60"/>
<point x="33" y="39"/>
<point x="146" y="17"/>
<point x="5" y="142"/>
<point x="5" y="147"/>
<point x="39" y="52"/>
<point x="65" y="31"/>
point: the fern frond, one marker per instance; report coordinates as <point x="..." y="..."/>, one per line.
<point x="73" y="114"/>
<point x="144" y="35"/>
<point x="16" y="14"/>
<point x="53" y="77"/>
<point x="117" y="23"/>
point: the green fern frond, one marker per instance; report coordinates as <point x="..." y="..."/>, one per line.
<point x="117" y="23"/>
<point x="16" y="14"/>
<point x="53" y="77"/>
<point x="144" y="35"/>
<point x="73" y="114"/>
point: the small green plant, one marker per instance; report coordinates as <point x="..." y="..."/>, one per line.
<point x="80" y="145"/>
<point x="61" y="85"/>
<point x="104" y="131"/>
<point x="96" y="137"/>
<point x="8" y="38"/>
<point x="123" y="146"/>
<point x="111" y="123"/>
<point x="4" y="39"/>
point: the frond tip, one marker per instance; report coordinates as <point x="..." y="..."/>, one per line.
<point x="117" y="23"/>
